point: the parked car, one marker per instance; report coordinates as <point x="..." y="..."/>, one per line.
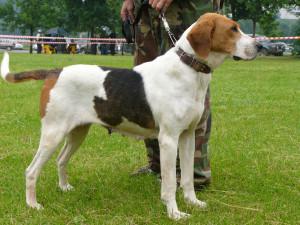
<point x="7" y="44"/>
<point x="276" y="48"/>
<point x="34" y="47"/>
<point x="18" y="46"/>
<point x="288" y="49"/>
<point x="272" y="48"/>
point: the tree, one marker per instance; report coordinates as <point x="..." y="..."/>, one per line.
<point x="29" y="15"/>
<point x="90" y="15"/>
<point x="270" y="26"/>
<point x="115" y="21"/>
<point x="263" y="11"/>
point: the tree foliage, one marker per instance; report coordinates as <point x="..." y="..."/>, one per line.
<point x="263" y="11"/>
<point x="90" y="15"/>
<point x="29" y="15"/>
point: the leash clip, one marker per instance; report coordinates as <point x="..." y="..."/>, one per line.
<point x="167" y="28"/>
<point x="165" y="22"/>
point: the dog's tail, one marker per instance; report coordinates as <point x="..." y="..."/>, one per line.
<point x="24" y="76"/>
<point x="5" y="67"/>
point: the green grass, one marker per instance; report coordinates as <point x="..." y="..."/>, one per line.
<point x="255" y="153"/>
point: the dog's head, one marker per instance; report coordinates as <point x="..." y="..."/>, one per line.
<point x="216" y="33"/>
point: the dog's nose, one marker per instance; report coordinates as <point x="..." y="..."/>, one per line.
<point x="259" y="46"/>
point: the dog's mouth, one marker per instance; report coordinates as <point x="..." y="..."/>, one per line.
<point x="237" y="58"/>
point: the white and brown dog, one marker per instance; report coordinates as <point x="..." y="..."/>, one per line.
<point x="161" y="99"/>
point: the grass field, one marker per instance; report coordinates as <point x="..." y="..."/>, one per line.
<point x="255" y="153"/>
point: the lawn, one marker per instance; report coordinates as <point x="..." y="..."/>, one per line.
<point x="255" y="153"/>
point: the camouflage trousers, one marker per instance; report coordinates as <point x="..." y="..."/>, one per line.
<point x="152" y="41"/>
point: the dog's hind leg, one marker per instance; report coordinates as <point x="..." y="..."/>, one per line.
<point x="168" y="144"/>
<point x="50" y="138"/>
<point x="186" y="154"/>
<point x="73" y="141"/>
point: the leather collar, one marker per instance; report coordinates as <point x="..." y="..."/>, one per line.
<point x="193" y="62"/>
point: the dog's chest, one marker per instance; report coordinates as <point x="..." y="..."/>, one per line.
<point x="177" y="98"/>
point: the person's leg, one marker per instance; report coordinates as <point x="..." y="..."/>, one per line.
<point x="202" y="172"/>
<point x="151" y="41"/>
<point x="180" y="17"/>
<point x="146" y="49"/>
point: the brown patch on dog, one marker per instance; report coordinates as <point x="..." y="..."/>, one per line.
<point x="50" y="81"/>
<point x="214" y="32"/>
<point x="226" y="35"/>
<point x="48" y="85"/>
<point x="200" y="37"/>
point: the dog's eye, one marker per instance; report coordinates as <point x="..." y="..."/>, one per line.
<point x="234" y="29"/>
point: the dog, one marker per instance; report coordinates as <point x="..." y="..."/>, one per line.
<point x="161" y="99"/>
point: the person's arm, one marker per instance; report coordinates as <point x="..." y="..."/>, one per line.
<point x="127" y="10"/>
<point x="160" y="5"/>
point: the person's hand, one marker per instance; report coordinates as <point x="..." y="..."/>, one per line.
<point x="127" y="10"/>
<point x="160" y="5"/>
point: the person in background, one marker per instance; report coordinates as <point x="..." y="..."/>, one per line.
<point x="112" y="46"/>
<point x="151" y="40"/>
<point x="38" y="39"/>
<point x="47" y="46"/>
<point x="72" y="47"/>
<point x="62" y="47"/>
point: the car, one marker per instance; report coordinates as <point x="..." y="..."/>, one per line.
<point x="34" y="47"/>
<point x="10" y="44"/>
<point x="18" y="46"/>
<point x="270" y="48"/>
<point x="7" y="44"/>
<point x="277" y="48"/>
<point x="289" y="49"/>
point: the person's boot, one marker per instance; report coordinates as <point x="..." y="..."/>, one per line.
<point x="153" y="166"/>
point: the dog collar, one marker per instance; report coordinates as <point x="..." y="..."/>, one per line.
<point x="193" y="62"/>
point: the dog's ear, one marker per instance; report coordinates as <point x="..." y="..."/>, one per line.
<point x="200" y="37"/>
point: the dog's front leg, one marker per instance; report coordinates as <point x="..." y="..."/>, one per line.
<point x="186" y="154"/>
<point x="168" y="144"/>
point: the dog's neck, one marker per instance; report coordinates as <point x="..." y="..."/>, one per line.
<point x="193" y="62"/>
<point x="213" y="60"/>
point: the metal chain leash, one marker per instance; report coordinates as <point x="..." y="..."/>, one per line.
<point x="168" y="29"/>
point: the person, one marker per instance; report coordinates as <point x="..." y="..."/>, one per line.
<point x="72" y="47"/>
<point x="112" y="46"/>
<point x="38" y="39"/>
<point x="62" y="47"/>
<point x="47" y="46"/>
<point x="151" y="41"/>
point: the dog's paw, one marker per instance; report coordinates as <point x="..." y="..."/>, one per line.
<point x="177" y="215"/>
<point x="196" y="202"/>
<point x="66" y="187"/>
<point x="200" y="204"/>
<point x="35" y="205"/>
